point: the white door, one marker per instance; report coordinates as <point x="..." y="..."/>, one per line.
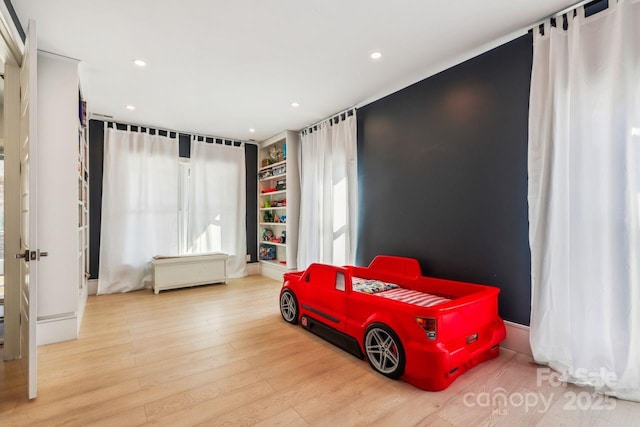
<point x="28" y="212"/>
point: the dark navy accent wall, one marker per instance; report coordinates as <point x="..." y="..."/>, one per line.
<point x="443" y="175"/>
<point x="96" y="157"/>
<point x="251" y="161"/>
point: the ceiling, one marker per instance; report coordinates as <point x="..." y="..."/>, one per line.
<point x="222" y="67"/>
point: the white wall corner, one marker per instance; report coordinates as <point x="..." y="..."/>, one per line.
<point x="92" y="285"/>
<point x="253" y="268"/>
<point x="517" y="338"/>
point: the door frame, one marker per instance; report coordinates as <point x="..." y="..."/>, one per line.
<point x="11" y="50"/>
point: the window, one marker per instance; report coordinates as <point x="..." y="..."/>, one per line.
<point x="340" y="281"/>
<point x="184" y="170"/>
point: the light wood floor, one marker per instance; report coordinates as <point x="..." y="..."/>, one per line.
<point x="222" y="355"/>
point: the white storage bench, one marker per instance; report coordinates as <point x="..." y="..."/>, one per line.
<point x="181" y="271"/>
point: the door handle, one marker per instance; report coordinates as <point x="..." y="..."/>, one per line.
<point x="31" y="255"/>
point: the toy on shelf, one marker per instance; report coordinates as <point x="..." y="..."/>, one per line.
<point x="275" y="154"/>
<point x="267" y="253"/>
<point x="283" y="237"/>
<point x="279" y="170"/>
<point x="267" y="216"/>
<point x="266" y="174"/>
<point x="267" y="234"/>
<point x="278" y="203"/>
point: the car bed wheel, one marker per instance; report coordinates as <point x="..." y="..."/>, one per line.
<point x="384" y="350"/>
<point x="289" y="307"/>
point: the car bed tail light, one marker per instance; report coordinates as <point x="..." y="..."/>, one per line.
<point x="429" y="326"/>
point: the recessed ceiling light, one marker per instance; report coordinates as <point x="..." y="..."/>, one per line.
<point x="295" y="104"/>
<point x="376" y="55"/>
<point x="130" y="107"/>
<point x="139" y="62"/>
<point x="252" y="130"/>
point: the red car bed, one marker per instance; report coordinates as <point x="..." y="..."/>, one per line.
<point x="424" y="330"/>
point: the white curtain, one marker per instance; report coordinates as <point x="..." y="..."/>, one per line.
<point x="217" y="199"/>
<point x="139" y="207"/>
<point x="584" y="199"/>
<point x="328" y="193"/>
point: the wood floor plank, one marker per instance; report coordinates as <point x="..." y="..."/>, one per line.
<point x="211" y="409"/>
<point x="90" y="358"/>
<point x="271" y="405"/>
<point x="132" y="417"/>
<point x="65" y="411"/>
<point x="188" y="364"/>
<point x="94" y="342"/>
<point x="212" y="390"/>
<point x="292" y="372"/>
<point x="287" y="418"/>
<point x="11" y="373"/>
<point x="418" y="408"/>
<point x="222" y="355"/>
<point x="139" y="397"/>
<point x="154" y="353"/>
<point x="314" y="410"/>
<point x="68" y="382"/>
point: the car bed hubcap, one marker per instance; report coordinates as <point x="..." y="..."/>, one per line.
<point x="382" y="350"/>
<point x="288" y="306"/>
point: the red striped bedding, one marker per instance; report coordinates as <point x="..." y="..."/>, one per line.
<point x="395" y="292"/>
<point x="413" y="297"/>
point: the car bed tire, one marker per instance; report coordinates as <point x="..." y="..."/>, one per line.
<point x="384" y="350"/>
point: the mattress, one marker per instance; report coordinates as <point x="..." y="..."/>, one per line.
<point x="396" y="293"/>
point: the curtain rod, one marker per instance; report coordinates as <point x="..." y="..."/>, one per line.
<point x="562" y="12"/>
<point x="156" y="128"/>
<point x="332" y="116"/>
<point x="109" y="119"/>
<point x="216" y="140"/>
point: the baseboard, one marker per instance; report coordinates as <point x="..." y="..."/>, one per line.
<point x="517" y="338"/>
<point x="272" y="271"/>
<point x="82" y="304"/>
<point x="55" y="330"/>
<point x="253" y="268"/>
<point x="92" y="285"/>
